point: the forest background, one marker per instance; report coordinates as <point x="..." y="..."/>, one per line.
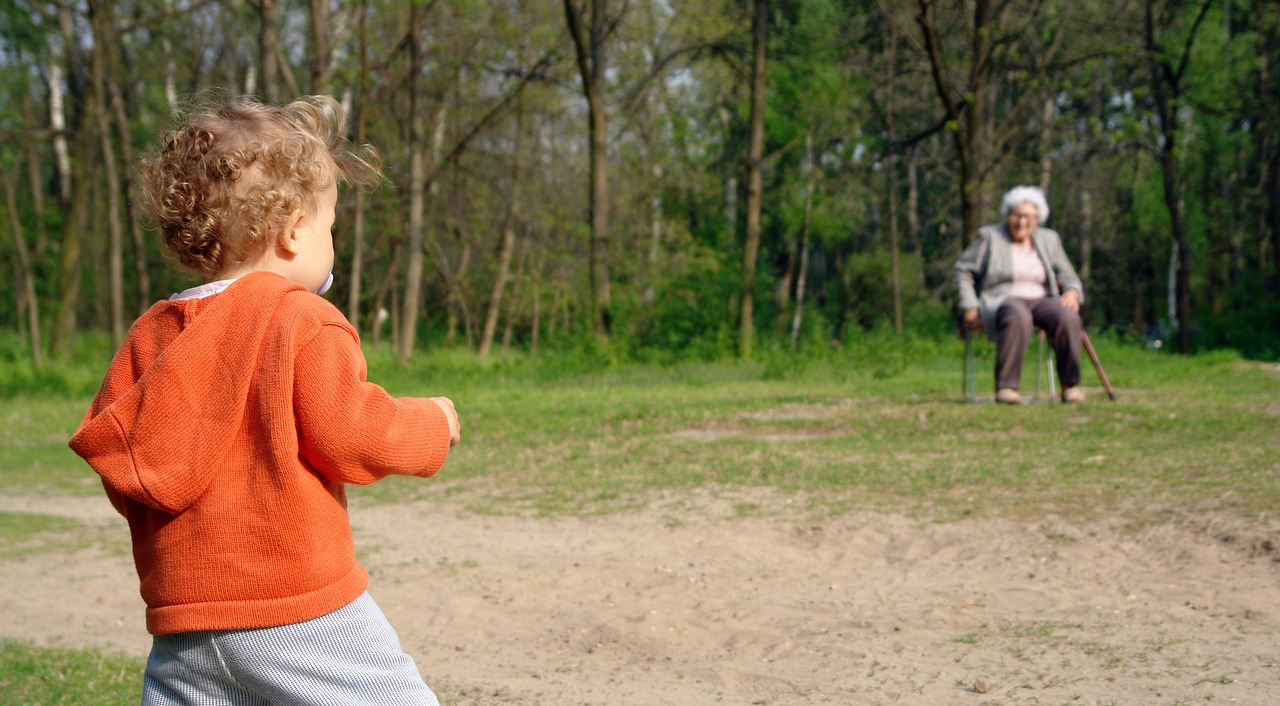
<point x="665" y="180"/>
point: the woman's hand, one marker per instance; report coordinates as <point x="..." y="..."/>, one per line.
<point x="1070" y="299"/>
<point x="972" y="319"/>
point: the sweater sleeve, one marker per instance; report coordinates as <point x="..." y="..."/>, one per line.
<point x="968" y="272"/>
<point x="1063" y="270"/>
<point x="351" y="430"/>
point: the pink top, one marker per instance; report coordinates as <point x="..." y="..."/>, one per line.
<point x="1029" y="279"/>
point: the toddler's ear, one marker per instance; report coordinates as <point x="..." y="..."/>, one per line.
<point x="290" y="238"/>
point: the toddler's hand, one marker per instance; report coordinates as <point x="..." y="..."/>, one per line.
<point x="451" y="414"/>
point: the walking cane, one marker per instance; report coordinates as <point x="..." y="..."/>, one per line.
<point x="1097" y="365"/>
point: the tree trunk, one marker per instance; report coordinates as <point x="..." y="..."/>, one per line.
<point x="535" y="313"/>
<point x="170" y="68"/>
<point x="1269" y="152"/>
<point x="913" y="203"/>
<point x="268" y="48"/>
<point x="507" y="247"/>
<point x="1166" y="86"/>
<point x="655" y="226"/>
<point x="1046" y="135"/>
<point x="417" y="174"/>
<point x="894" y="258"/>
<point x="76" y="200"/>
<point x="357" y="226"/>
<point x="891" y="170"/>
<point x="755" y="185"/>
<point x="589" y="50"/>
<point x="514" y="307"/>
<point x="142" y="275"/>
<point x="1086" y="228"/>
<point x="803" y="264"/>
<point x="34" y="179"/>
<point x="968" y="119"/>
<point x="26" y="271"/>
<point x="58" y="125"/>
<point x="100" y="12"/>
<point x="319" y="46"/>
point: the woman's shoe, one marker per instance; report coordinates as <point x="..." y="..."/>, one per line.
<point x="1008" y="395"/>
<point x="1072" y="395"/>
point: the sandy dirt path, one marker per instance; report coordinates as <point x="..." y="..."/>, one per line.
<point x="681" y="603"/>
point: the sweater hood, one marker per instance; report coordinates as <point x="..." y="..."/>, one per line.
<point x="157" y="435"/>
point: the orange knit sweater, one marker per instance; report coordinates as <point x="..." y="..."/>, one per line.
<point x="224" y="432"/>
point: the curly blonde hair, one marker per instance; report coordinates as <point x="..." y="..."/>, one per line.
<point x="227" y="178"/>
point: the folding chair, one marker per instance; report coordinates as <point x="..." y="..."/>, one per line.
<point x="1043" y="364"/>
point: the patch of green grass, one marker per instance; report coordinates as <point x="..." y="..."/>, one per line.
<point x="39" y="676"/>
<point x="25" y="532"/>
<point x="1194" y="432"/>
<point x="1186" y="432"/>
<point x="34" y="431"/>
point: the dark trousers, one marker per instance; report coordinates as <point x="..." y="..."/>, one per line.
<point x="1015" y="322"/>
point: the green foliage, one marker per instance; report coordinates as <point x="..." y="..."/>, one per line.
<point x="52" y="676"/>
<point x="864" y="297"/>
<point x="1250" y="330"/>
<point x="77" y="376"/>
<point x="691" y="313"/>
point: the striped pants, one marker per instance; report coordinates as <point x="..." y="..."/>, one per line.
<point x="350" y="656"/>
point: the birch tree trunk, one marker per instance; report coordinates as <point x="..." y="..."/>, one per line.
<point x="170" y="68"/>
<point x="58" y="125"/>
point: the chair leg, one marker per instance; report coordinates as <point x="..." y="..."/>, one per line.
<point x="1053" y="378"/>
<point x="1039" y="360"/>
<point x="968" y="388"/>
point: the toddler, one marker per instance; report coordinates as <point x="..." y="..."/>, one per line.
<point x="235" y="412"/>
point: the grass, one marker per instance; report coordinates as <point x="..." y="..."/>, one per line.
<point x="37" y="676"/>
<point x="25" y="532"/>
<point x="857" y="428"/>
<point x="1186" y="433"/>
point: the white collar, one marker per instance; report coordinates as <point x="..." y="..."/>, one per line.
<point x="205" y="290"/>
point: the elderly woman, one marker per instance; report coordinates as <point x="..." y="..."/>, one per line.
<point x="1008" y="281"/>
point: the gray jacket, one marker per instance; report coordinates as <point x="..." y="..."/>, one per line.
<point x="983" y="275"/>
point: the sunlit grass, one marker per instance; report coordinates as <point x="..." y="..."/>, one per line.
<point x="544" y="437"/>
<point x="50" y="676"/>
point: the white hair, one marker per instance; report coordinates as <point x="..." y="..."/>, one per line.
<point x="1019" y="195"/>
